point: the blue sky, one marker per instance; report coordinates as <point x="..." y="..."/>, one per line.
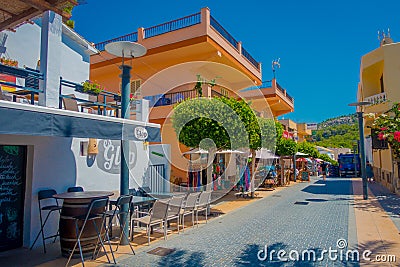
<point x="319" y="43"/>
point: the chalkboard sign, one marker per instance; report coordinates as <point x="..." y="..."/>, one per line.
<point x="305" y="176"/>
<point x="12" y="192"/>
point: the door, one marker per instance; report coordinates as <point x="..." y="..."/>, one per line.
<point x="12" y="192"/>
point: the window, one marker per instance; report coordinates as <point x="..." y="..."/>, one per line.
<point x="83" y="148"/>
<point x="135" y="86"/>
<point x="382" y="85"/>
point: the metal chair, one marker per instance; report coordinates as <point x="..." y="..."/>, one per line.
<point x="202" y="205"/>
<point x="96" y="211"/>
<point x="50" y="205"/>
<point x="132" y="192"/>
<point x="174" y="210"/>
<point x="156" y="216"/>
<point x="118" y="211"/>
<point x="75" y="189"/>
<point x="144" y="191"/>
<point x="189" y="208"/>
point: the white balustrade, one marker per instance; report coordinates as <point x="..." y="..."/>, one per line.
<point x="376" y="99"/>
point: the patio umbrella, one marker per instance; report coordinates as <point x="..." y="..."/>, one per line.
<point x="300" y="154"/>
<point x="265" y="154"/>
<point x="301" y="160"/>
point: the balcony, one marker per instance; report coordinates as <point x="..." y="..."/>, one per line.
<point x="22" y="115"/>
<point x="279" y="101"/>
<point x="169" y="99"/>
<point x="199" y="30"/>
<point x="376" y="99"/>
<point x="380" y="103"/>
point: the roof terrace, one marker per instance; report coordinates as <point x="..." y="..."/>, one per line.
<point x="200" y="30"/>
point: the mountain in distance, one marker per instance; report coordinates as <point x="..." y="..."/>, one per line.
<point x="340" y="131"/>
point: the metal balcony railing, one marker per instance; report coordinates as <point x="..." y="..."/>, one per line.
<point x="223" y="32"/>
<point x="105" y="103"/>
<point x="249" y="57"/>
<point x="173" y="25"/>
<point x="29" y="76"/>
<point x="132" y="37"/>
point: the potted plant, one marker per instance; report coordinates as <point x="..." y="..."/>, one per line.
<point x="89" y="87"/>
<point x="9" y="62"/>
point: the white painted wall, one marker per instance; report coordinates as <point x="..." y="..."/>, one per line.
<point x="23" y="45"/>
<point x="55" y="162"/>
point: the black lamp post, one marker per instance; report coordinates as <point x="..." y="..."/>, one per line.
<point x="362" y="148"/>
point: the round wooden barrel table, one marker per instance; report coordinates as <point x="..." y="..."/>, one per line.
<point x="76" y="204"/>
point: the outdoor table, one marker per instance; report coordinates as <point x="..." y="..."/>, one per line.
<point x="75" y="204"/>
<point x="160" y="195"/>
<point x="34" y="96"/>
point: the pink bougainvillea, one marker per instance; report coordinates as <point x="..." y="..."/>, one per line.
<point x="388" y="127"/>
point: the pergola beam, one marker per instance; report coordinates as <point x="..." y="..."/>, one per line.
<point x="20" y="18"/>
<point x="7" y="12"/>
<point x="43" y="5"/>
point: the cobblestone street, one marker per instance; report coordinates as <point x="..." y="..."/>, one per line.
<point x="305" y="216"/>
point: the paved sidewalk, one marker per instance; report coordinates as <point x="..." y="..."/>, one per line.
<point x="376" y="230"/>
<point x="389" y="201"/>
<point x="304" y="216"/>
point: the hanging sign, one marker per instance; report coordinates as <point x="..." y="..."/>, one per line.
<point x="141" y="133"/>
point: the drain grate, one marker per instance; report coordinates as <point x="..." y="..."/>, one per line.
<point x="160" y="251"/>
<point x="301" y="203"/>
<point x="276" y="195"/>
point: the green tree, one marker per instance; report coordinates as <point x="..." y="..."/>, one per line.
<point x="286" y="147"/>
<point x="228" y="122"/>
<point x="308" y="148"/>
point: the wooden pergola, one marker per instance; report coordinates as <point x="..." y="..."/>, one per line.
<point x="16" y="12"/>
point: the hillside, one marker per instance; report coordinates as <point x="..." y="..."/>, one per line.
<point x="337" y="132"/>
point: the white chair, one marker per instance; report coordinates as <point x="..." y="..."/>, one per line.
<point x="189" y="208"/>
<point x="156" y="216"/>
<point x="203" y="204"/>
<point x="174" y="210"/>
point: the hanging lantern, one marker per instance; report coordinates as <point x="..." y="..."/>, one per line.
<point x="92" y="146"/>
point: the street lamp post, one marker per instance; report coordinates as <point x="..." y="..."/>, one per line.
<point x="130" y="50"/>
<point x="362" y="147"/>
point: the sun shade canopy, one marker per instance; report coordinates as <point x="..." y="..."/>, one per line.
<point x="23" y="119"/>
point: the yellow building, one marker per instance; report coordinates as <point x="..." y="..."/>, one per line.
<point x="303" y="132"/>
<point x="379" y="84"/>
<point x="179" y="53"/>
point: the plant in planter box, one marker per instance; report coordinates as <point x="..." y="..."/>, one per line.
<point x="9" y="62"/>
<point x="90" y="87"/>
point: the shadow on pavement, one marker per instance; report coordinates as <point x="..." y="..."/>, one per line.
<point x="390" y="202"/>
<point x="330" y="187"/>
<point x="250" y="257"/>
<point x="182" y="258"/>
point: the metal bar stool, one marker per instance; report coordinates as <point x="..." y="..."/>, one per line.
<point x="96" y="211"/>
<point x="118" y="212"/>
<point x="46" y="196"/>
